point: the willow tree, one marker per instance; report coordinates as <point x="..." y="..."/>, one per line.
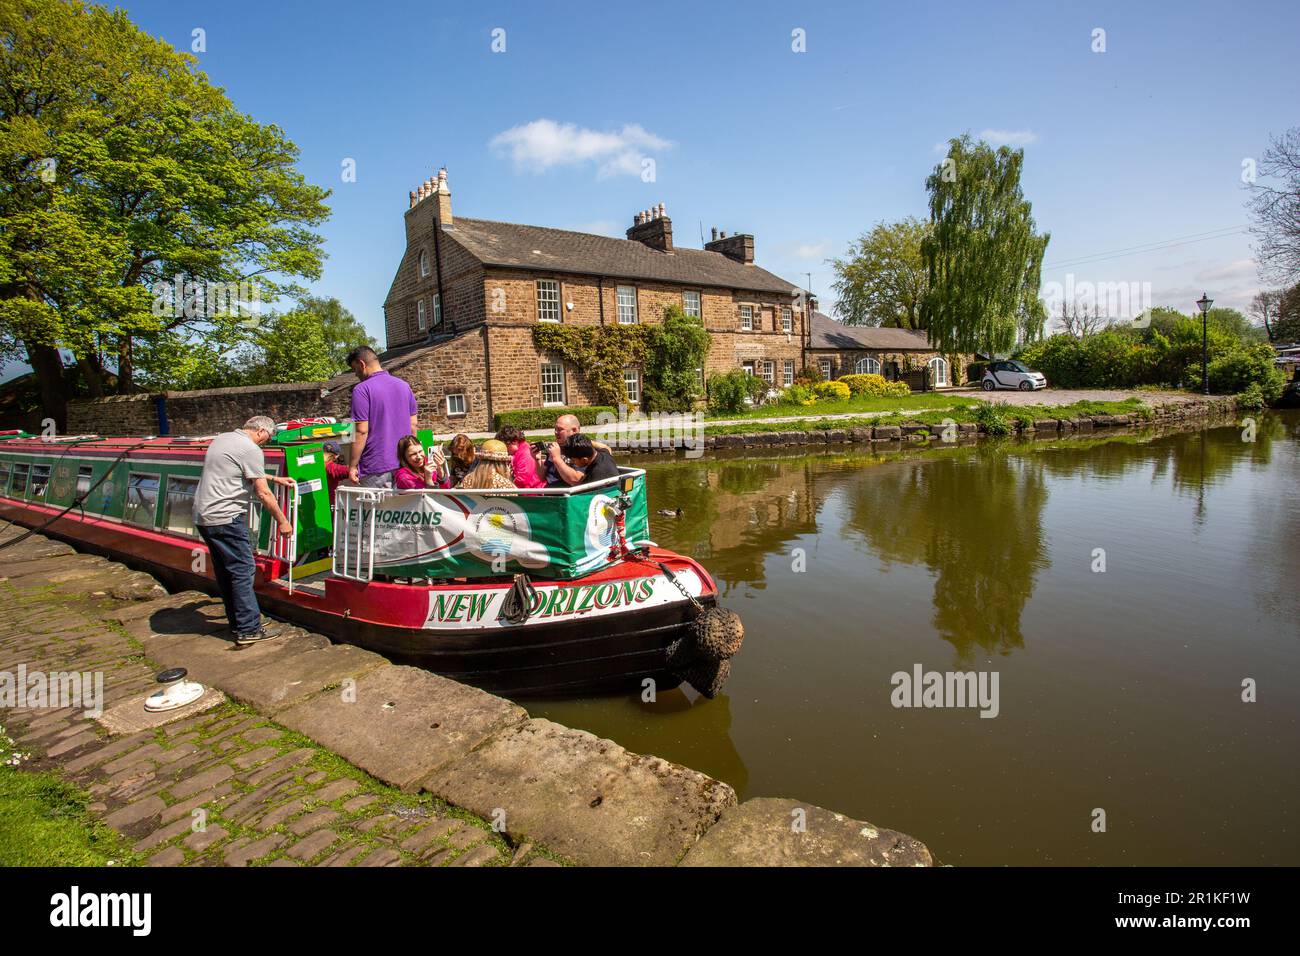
<point x="983" y="256"/>
<point x="121" y="168"/>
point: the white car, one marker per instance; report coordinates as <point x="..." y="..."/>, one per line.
<point x="1012" y="374"/>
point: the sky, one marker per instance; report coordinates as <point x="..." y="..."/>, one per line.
<point x="545" y="113"/>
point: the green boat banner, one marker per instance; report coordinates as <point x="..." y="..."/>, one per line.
<point x="453" y="534"/>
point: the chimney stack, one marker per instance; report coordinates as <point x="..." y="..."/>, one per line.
<point x="739" y="247"/>
<point x="653" y="227"/>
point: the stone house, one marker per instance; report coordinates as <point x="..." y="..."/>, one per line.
<point x="836" y="350"/>
<point x="468" y="293"/>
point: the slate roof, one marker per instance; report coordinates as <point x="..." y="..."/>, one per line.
<point x="827" y="333"/>
<point x="511" y="245"/>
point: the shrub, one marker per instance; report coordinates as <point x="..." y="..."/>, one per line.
<point x="545" y="417"/>
<point x="869" y="384"/>
<point x="1238" y="370"/>
<point x="993" y="418"/>
<point x="798" y="395"/>
<point x="832" y="391"/>
<point x="674" y="350"/>
<point x="728" y="391"/>
<point x="1252" y="397"/>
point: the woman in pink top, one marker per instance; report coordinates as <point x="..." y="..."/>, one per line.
<point x="521" y="455"/>
<point x="415" y="469"/>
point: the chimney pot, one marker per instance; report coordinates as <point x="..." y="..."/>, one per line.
<point x="714" y="230"/>
<point x="661" y="210"/>
<point x="412" y="198"/>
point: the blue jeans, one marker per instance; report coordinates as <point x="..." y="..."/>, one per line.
<point x="232" y="563"/>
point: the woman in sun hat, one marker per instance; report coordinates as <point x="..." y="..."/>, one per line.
<point x="492" y="469"/>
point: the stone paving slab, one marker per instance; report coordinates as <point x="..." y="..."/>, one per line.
<point x="215" y="660"/>
<point x="130" y="716"/>
<point x="404" y="724"/>
<point x="291" y="678"/>
<point x="584" y="797"/>
<point x="769" y="831"/>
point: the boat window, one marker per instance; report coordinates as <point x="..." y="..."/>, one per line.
<point x="4" y="476"/>
<point x="84" y="476"/>
<point x="178" y="506"/>
<point x="141" y="500"/>
<point x="20" y="479"/>
<point x="40" y="480"/>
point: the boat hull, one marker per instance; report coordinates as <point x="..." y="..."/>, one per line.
<point x="585" y="651"/>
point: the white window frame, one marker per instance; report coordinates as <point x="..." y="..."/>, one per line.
<point x="563" y="393"/>
<point x="437" y="310"/>
<point x="825" y="366"/>
<point x="747" y="366"/>
<point x="420" y="320"/>
<point x="632" y="384"/>
<point x="157" y="494"/>
<point x="548" y="308"/>
<point x="424" y="263"/>
<point x="936" y="379"/>
<point x="626" y="308"/>
<point x="699" y="303"/>
<point x="787" y="319"/>
<point x="787" y="373"/>
<point x="452" y="412"/>
<point x="863" y="366"/>
<point x="747" y="318"/>
<point x="768" y="371"/>
<point x="186" y="524"/>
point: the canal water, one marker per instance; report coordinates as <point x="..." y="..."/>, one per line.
<point x="1119" y="691"/>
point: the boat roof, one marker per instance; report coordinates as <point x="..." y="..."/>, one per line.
<point x="97" y="445"/>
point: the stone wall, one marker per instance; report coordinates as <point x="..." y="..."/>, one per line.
<point x="462" y="283"/>
<point x="130" y="415"/>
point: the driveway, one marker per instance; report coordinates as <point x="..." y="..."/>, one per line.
<point x="1067" y="396"/>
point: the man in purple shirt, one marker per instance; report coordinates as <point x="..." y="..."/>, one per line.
<point x="384" y="410"/>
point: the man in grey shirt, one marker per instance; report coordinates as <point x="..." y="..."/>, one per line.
<point x="234" y="470"/>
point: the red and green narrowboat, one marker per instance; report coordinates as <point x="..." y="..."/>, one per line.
<point x="521" y="592"/>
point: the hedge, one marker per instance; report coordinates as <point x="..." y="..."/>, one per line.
<point x="527" y="418"/>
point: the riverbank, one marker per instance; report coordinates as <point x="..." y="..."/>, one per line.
<point x="964" y="424"/>
<point x="304" y="752"/>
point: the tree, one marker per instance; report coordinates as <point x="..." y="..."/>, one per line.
<point x="675" y="351"/>
<point x="1276" y="208"/>
<point x="121" y="168"/>
<point x="1279" y="310"/>
<point x="883" y="279"/>
<point x="340" y="329"/>
<point x="983" y="257"/>
<point x="290" y="347"/>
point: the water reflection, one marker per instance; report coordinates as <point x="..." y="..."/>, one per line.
<point x="976" y="522"/>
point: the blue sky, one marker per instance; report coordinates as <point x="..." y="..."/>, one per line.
<point x="1140" y="144"/>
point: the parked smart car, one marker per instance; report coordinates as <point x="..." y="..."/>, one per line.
<point x="1012" y="374"/>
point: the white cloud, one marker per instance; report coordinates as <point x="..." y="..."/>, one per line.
<point x="1242" y="269"/>
<point x="1009" y="137"/>
<point x="544" y="143"/>
<point x="807" y="250"/>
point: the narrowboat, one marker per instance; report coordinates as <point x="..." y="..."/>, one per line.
<point x="550" y="592"/>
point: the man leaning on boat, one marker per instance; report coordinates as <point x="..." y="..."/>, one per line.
<point x="234" y="470"/>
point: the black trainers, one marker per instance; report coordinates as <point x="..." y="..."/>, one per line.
<point x="258" y="636"/>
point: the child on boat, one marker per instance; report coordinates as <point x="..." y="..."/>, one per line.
<point x="521" y="457"/>
<point x="416" y="469"/>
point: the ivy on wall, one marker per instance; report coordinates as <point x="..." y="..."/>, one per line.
<point x="599" y="352"/>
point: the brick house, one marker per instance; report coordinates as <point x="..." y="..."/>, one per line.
<point x="468" y="292"/>
<point x="836" y="349"/>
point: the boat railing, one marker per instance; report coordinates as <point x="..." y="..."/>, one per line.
<point x="285" y="546"/>
<point x="470" y="533"/>
<point x="354" y="549"/>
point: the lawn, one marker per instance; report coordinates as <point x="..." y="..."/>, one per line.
<point x="44" y="822"/>
<point x="858" y="404"/>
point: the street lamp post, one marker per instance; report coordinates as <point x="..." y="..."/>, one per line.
<point x="1204" y="303"/>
